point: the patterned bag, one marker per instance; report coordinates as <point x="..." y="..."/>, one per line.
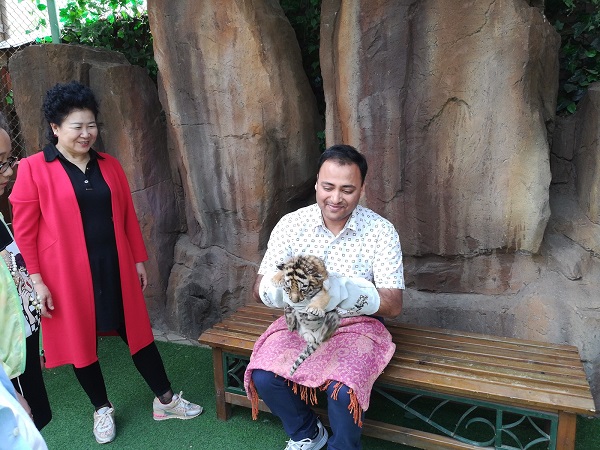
<point x="25" y="289"/>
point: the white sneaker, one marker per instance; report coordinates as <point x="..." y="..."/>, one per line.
<point x="179" y="408"/>
<point x="315" y="443"/>
<point x="104" y="425"/>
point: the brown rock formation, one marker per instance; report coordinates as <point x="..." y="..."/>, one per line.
<point x="586" y="155"/>
<point x="450" y="103"/>
<point x="243" y="122"/>
<point x="131" y="129"/>
<point x="36" y="69"/>
<point x="576" y="169"/>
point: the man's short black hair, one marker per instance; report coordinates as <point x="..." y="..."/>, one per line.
<point x="345" y="154"/>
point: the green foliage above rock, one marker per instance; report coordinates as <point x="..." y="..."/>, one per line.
<point x="305" y="18"/>
<point x="578" y="22"/>
<point x="120" y="25"/>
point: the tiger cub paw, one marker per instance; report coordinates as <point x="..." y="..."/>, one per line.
<point x="318" y="312"/>
<point x="278" y="279"/>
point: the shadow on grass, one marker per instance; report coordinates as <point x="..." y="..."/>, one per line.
<point x="190" y="369"/>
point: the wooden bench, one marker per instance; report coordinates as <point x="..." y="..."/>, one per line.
<point x="511" y="391"/>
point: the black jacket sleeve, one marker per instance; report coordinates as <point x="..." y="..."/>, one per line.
<point x="5" y="237"/>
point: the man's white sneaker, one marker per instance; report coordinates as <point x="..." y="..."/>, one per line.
<point x="315" y="443"/>
<point x="104" y="425"/>
<point x="179" y="408"/>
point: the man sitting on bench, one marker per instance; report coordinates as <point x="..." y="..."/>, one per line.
<point x="354" y="242"/>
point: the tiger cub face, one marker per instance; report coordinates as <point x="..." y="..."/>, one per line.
<point x="301" y="277"/>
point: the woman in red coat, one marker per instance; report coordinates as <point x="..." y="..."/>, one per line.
<point x="77" y="229"/>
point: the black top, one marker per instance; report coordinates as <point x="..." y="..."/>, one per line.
<point x="5" y="237"/>
<point x="95" y="205"/>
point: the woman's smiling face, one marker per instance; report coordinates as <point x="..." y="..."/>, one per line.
<point x="77" y="132"/>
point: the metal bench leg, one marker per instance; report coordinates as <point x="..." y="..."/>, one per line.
<point x="567" y="424"/>
<point x="223" y="408"/>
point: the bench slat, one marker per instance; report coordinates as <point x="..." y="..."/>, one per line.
<point x="486" y="390"/>
<point x="477" y="347"/>
<point x="398" y="371"/>
<point x="494" y="363"/>
<point x="516" y="371"/>
<point x="493" y="340"/>
<point x="237" y="342"/>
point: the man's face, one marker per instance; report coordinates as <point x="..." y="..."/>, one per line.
<point x="339" y="188"/>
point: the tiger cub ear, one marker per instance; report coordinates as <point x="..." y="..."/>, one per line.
<point x="280" y="266"/>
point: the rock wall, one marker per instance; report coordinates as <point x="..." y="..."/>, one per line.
<point x="586" y="155"/>
<point x="450" y="102"/>
<point x="573" y="234"/>
<point x="576" y="165"/>
<point x="550" y="296"/>
<point x="243" y="123"/>
<point x="131" y="129"/>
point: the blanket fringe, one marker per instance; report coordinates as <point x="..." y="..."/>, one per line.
<point x="253" y="394"/>
<point x="354" y="407"/>
<point x="336" y="390"/>
<point x="309" y="395"/>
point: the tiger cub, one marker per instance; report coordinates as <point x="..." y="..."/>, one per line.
<point x="302" y="278"/>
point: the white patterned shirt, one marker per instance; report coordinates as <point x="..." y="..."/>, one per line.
<point x="368" y="246"/>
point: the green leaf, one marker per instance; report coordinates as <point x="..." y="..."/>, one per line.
<point x="568" y="87"/>
<point x="578" y="23"/>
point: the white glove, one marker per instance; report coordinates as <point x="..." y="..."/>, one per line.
<point x="271" y="295"/>
<point x="350" y="296"/>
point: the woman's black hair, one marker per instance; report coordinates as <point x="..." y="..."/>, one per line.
<point x="345" y="154"/>
<point x="63" y="99"/>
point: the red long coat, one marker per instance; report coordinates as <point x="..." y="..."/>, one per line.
<point x="49" y="233"/>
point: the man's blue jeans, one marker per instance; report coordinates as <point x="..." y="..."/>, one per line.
<point x="299" y="421"/>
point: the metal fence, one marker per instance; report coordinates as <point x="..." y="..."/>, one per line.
<point x="22" y="23"/>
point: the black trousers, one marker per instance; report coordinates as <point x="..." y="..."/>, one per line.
<point x="30" y="384"/>
<point x="148" y="363"/>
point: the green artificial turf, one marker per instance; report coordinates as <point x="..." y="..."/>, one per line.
<point x="189" y="369"/>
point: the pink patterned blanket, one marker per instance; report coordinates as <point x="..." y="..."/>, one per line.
<point x="355" y="356"/>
